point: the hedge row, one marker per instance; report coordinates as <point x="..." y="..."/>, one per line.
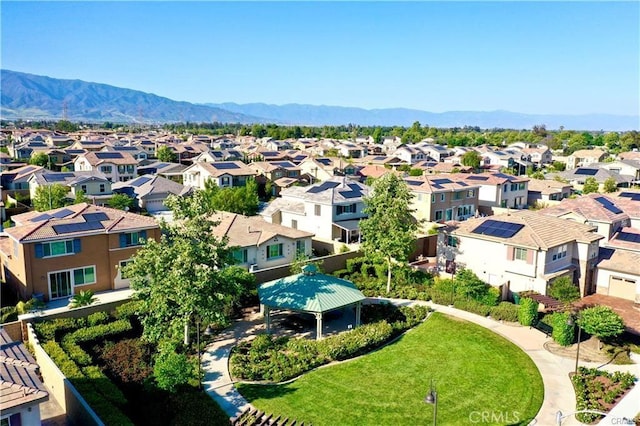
<point x="48" y="330"/>
<point x="505" y="311"/>
<point x="98" y="395"/>
<point x="99" y="331"/>
<point x="129" y="309"/>
<point x="278" y="359"/>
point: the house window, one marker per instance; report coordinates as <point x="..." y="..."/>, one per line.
<point x="57" y="248"/>
<point x="83" y="188"/>
<point x="433" y="198"/>
<point x="520" y="254"/>
<point x="274" y="251"/>
<point x="106" y="169"/>
<point x="559" y="252"/>
<point x="130" y="169"/>
<point x="471" y="193"/>
<point x="129" y="239"/>
<point x="241" y="255"/>
<point x="350" y="208"/>
<point x="521" y="185"/>
<point x="438" y="215"/>
<point x="452" y="241"/>
<point x="442" y="196"/>
<point x="506" y="188"/>
<point x="294" y="224"/>
<point x="278" y="174"/>
<point x="84" y="276"/>
<point x="317" y="209"/>
<point x="301" y="247"/>
<point x="225" y="181"/>
<point x="102" y="187"/>
<point x="458" y="195"/>
<point x="514" y="186"/>
<point x="503" y="203"/>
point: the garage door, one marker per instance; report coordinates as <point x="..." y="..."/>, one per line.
<point x="622" y="287"/>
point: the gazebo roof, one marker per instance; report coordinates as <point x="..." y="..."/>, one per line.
<point x="309" y="291"/>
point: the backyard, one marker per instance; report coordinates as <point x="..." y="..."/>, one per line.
<point x="475" y="371"/>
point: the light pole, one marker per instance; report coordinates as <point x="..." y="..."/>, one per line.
<point x="207" y="332"/>
<point x="574" y="318"/>
<point x="432" y="398"/>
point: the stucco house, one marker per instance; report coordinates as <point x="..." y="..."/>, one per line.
<point x="547" y="191"/>
<point x="151" y="191"/>
<point x="258" y="244"/>
<point x="585" y="157"/>
<point x="330" y="210"/>
<point x="80" y="247"/>
<point x="440" y="198"/>
<point x="116" y="166"/>
<point x="618" y="269"/>
<point x="524" y="250"/>
<point x="225" y="174"/>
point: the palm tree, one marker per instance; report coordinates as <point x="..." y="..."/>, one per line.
<point x="84" y="298"/>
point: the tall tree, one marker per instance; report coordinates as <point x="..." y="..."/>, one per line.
<point x="49" y="197"/>
<point x="610" y="185"/>
<point x="389" y="231"/>
<point x="39" y="159"/>
<point x="164" y="153"/>
<point x="590" y="185"/>
<point x="121" y="201"/>
<point x="471" y="159"/>
<point x="181" y="280"/>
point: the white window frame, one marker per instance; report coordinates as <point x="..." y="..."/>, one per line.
<point x="559" y="252"/>
<point x="73" y="279"/>
<point x="520" y="253"/>
<point x="49" y="243"/>
<point x="279" y="256"/>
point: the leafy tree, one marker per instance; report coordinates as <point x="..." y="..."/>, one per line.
<point x="181" y="279"/>
<point x="121" y="201"/>
<point x="538" y="175"/>
<point x="564" y="290"/>
<point x="80" y="197"/>
<point x="590" y="185"/>
<point x="469" y="285"/>
<point x="50" y="197"/>
<point x="471" y="159"/>
<point x="389" y="231"/>
<point x="164" y="153"/>
<point x="39" y="159"/>
<point x="171" y="369"/>
<point x="241" y="200"/>
<point x="601" y="322"/>
<point x="66" y="126"/>
<point x="84" y="298"/>
<point x="610" y="185"/>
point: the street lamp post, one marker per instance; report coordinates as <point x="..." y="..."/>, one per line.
<point x="207" y="332"/>
<point x="432" y="398"/>
<point x="573" y="320"/>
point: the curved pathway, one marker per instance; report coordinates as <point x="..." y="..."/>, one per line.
<point x="558" y="390"/>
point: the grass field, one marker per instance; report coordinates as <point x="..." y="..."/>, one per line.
<point x="477" y="373"/>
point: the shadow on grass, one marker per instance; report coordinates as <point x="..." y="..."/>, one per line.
<point x="252" y="392"/>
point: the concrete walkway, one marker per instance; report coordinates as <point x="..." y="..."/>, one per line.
<point x="558" y="390"/>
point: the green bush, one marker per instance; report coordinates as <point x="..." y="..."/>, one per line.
<point x="564" y="290"/>
<point x="527" y="311"/>
<point x="75" y="352"/>
<point x="171" y="369"/>
<point x="355" y="264"/>
<point x="8" y="314"/>
<point x="357" y="341"/>
<point x="491" y="297"/>
<point x="563" y="333"/>
<point x="48" y="330"/>
<point x="505" y="311"/>
<point x="97" y="318"/>
<point x="129" y="309"/>
<point x="472" y="306"/>
<point x="129" y="360"/>
<point x="104" y="385"/>
<point x="100" y="331"/>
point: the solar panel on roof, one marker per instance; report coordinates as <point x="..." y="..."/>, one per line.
<point x="495" y="228"/>
<point x="62" y="213"/>
<point x="462" y="184"/>
<point x="635" y="196"/>
<point x="225" y="166"/>
<point x="441" y="181"/>
<point x="322" y="187"/>
<point x="41" y="218"/>
<point x="478" y="178"/>
<point x="108" y="155"/>
<point x="284" y="164"/>
<point x="92" y="217"/>
<point x="413" y="182"/>
<point x="608" y="205"/>
<point x="77" y="227"/>
<point x="140" y="181"/>
<point x="628" y="236"/>
<point x="325" y="161"/>
<point x="585" y="172"/>
<point x="351" y="194"/>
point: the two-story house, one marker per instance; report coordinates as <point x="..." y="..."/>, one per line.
<point x="116" y="166"/>
<point x="80" y="247"/>
<point x="540" y="155"/>
<point x="258" y="244"/>
<point x="442" y="199"/>
<point x="524" y="250"/>
<point x="224" y="174"/>
<point x="542" y="191"/>
<point x="499" y="189"/>
<point x="330" y="210"/>
<point x="279" y="174"/>
<point x="94" y="185"/>
<point x="151" y="191"/>
<point x="409" y="154"/>
<point x="585" y="157"/>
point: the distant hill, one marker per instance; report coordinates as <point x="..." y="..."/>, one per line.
<point x="334" y="115"/>
<point x="31" y="96"/>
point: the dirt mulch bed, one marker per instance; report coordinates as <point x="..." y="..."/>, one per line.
<point x="588" y="352"/>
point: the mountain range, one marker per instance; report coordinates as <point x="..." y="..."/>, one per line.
<point x="30" y="96"/>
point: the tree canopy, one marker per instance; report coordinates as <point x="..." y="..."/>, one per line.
<point x="601" y="321"/>
<point x="590" y="185"/>
<point x="389" y="231"/>
<point x="610" y="185"/>
<point x="471" y="159"/>
<point x="50" y="197"/>
<point x="241" y="200"/>
<point x="121" y="201"/>
<point x="39" y="159"/>
<point x="164" y="153"/>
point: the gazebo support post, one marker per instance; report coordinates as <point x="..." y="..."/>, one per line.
<point x="358" y="306"/>
<point x="318" y="325"/>
<point x="267" y="318"/>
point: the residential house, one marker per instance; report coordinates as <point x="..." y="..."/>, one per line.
<point x="224" y="174"/>
<point x="89" y="145"/>
<point x="17" y="180"/>
<point x="499" y="189"/>
<point x="80" y="247"/>
<point x="351" y="150"/>
<point x="116" y="166"/>
<point x="21" y="388"/>
<point x="382" y="160"/>
<point x="151" y="191"/>
<point x="258" y="244"/>
<point x="585" y="157"/>
<point x="94" y="185"/>
<point x="317" y="169"/>
<point x="167" y="170"/>
<point x="218" y="155"/>
<point x="623" y="167"/>
<point x="629" y="155"/>
<point x="547" y="191"/>
<point x="280" y="174"/>
<point x="514" y="160"/>
<point x="409" y="154"/>
<point x="436" y="152"/>
<point x="25" y="150"/>
<point x="331" y="210"/>
<point x="136" y="152"/>
<point x="618" y="272"/>
<point x="577" y="177"/>
<point x="523" y="250"/>
<point x="629" y="202"/>
<point x="442" y="199"/>
<point x="540" y="156"/>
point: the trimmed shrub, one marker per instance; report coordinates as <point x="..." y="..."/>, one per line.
<point x="472" y="306"/>
<point x="97" y="318"/>
<point x="527" y="311"/>
<point x="564" y="290"/>
<point x="128" y="309"/>
<point x="491" y="298"/>
<point x="75" y="352"/>
<point x="129" y="360"/>
<point x="505" y="311"/>
<point x="357" y="341"/>
<point x="104" y="385"/>
<point x="562" y="333"/>
<point x="100" y="331"/>
<point x="48" y="330"/>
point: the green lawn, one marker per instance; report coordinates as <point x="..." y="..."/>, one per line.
<point x="475" y="370"/>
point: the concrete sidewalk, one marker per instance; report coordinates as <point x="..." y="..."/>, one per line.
<point x="558" y="390"/>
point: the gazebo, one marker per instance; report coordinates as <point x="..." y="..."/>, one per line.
<point x="309" y="292"/>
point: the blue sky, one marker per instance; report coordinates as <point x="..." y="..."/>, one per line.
<point x="545" y="57"/>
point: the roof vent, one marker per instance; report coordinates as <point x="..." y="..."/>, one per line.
<point x="309" y="269"/>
